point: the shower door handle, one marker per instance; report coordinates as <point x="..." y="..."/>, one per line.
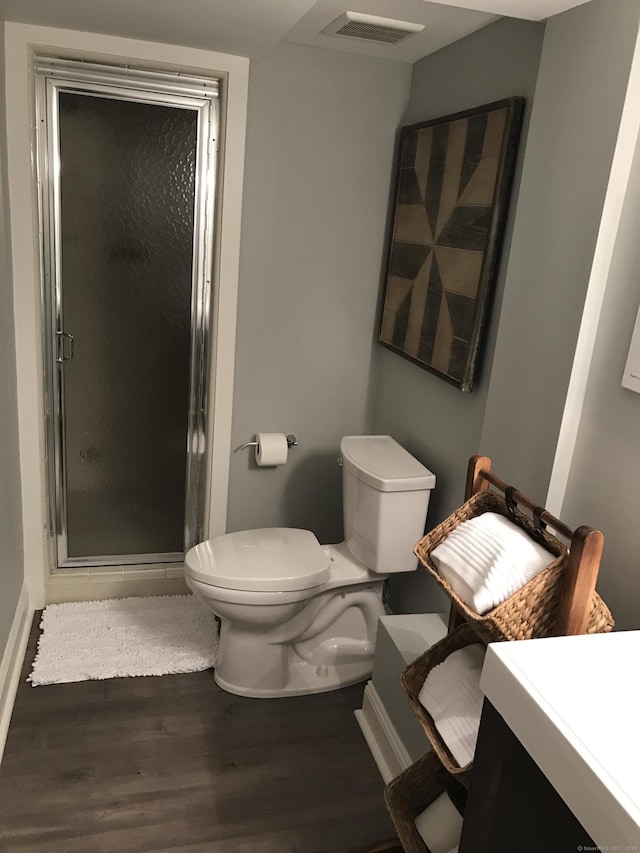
<point x="62" y="337"/>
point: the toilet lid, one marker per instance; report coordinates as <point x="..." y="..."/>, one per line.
<point x="273" y="559"/>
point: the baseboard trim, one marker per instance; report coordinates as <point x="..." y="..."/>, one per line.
<point x="12" y="661"/>
<point x="388" y="750"/>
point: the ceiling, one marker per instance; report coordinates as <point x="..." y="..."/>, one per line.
<point x="253" y="27"/>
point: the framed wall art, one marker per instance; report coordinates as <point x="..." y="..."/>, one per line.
<point x="452" y="189"/>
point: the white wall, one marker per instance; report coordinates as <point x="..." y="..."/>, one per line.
<point x="602" y="489"/>
<point x="320" y="139"/>
<point x="11" y="557"/>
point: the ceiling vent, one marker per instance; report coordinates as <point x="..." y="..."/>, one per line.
<point x="355" y="25"/>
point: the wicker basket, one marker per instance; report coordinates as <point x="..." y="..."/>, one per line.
<point x="531" y="611"/>
<point x="410" y="793"/>
<point x="413" y="678"/>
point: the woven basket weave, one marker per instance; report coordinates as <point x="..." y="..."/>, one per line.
<point x="409" y="794"/>
<point x="412" y="680"/>
<point x="530" y="612"/>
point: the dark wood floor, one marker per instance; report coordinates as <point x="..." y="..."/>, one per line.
<point x="175" y="763"/>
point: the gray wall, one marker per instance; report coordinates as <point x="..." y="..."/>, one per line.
<point x="320" y="138"/>
<point x="11" y="561"/>
<point x="581" y="87"/>
<point x="603" y="482"/>
<point x="515" y="414"/>
<point x="435" y="421"/>
<point x="319" y="158"/>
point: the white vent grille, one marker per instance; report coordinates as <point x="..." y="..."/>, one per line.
<point x="355" y="25"/>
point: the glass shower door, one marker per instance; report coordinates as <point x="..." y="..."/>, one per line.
<point x="126" y="197"/>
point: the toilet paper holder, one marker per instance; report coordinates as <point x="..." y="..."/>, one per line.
<point x="292" y="441"/>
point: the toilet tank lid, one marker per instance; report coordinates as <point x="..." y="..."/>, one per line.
<point x="271" y="559"/>
<point x="381" y="462"/>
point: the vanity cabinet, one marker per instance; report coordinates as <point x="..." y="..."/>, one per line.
<point x="556" y="760"/>
<point x="511" y="806"/>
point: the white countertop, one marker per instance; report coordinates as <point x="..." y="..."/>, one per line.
<point x="574" y="704"/>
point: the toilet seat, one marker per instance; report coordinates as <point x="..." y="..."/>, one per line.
<point x="271" y="559"/>
<point x="250" y="597"/>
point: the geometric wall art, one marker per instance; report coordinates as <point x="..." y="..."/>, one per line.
<point x="452" y="190"/>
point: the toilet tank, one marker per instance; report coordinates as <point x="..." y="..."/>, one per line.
<point x="385" y="494"/>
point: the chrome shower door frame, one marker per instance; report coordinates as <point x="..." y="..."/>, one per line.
<point x="170" y="89"/>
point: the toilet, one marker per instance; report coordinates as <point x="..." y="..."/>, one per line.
<point x="299" y="617"/>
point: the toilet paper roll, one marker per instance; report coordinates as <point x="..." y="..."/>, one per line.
<point x="272" y="448"/>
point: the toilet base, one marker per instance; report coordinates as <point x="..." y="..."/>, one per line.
<point x="312" y="646"/>
<point x="305" y="678"/>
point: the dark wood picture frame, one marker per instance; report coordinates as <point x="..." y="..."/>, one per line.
<point x="451" y="197"/>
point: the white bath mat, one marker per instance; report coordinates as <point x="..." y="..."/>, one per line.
<point x="93" y="640"/>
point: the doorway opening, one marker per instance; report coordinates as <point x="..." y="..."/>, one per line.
<point x="127" y="168"/>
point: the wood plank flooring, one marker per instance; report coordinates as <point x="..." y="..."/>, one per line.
<point x="175" y="763"/>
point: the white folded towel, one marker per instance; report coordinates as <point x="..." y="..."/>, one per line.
<point x="451" y="694"/>
<point x="440" y="825"/>
<point x="488" y="558"/>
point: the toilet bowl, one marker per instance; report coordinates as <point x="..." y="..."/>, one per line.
<point x="298" y="617"/>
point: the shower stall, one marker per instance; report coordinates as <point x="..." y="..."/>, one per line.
<point x="126" y="167"/>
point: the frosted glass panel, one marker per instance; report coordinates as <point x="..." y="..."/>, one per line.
<point x="127" y="205"/>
